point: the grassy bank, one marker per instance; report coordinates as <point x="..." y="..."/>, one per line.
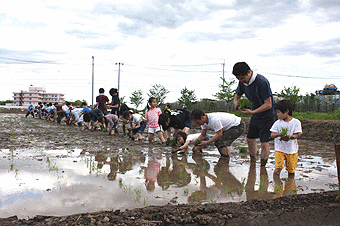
<point x="306" y="115"/>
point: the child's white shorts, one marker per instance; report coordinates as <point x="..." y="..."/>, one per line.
<point x="154" y="130"/>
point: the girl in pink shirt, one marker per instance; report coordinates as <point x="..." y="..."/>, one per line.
<point x="152" y="115"/>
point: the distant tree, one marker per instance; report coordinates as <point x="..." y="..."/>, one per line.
<point x="290" y="93"/>
<point x="226" y="92"/>
<point x="4" y="102"/>
<point x="76" y="103"/>
<point x="159" y="92"/>
<point x="122" y="100"/>
<point x="188" y="98"/>
<point x="137" y="98"/>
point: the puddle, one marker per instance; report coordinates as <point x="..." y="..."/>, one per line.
<point x="64" y="182"/>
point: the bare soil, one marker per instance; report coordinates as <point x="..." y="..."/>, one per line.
<point x="307" y="209"/>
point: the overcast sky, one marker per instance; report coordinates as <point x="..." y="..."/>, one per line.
<point x="174" y="43"/>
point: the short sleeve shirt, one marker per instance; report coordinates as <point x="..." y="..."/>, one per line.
<point x="102" y="100"/>
<point x="221" y="120"/>
<point x="136" y="118"/>
<point x="152" y="116"/>
<point x="257" y="92"/>
<point x="290" y="146"/>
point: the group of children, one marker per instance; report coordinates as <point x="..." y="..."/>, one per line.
<point x="227" y="127"/>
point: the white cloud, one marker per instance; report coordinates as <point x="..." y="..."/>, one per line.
<point x="272" y="36"/>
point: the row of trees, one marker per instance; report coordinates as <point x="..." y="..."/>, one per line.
<point x="225" y="95"/>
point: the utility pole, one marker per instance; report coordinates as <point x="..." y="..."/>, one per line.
<point x="92" y="78"/>
<point x="223" y="70"/>
<point x="119" y="74"/>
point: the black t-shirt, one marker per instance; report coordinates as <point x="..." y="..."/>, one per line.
<point x="178" y="117"/>
<point x="115" y="101"/>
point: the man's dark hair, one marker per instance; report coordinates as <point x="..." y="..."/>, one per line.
<point x="101" y="90"/>
<point x="283" y="106"/>
<point x="113" y="91"/>
<point x="240" y="68"/>
<point x="181" y="134"/>
<point x="68" y="103"/>
<point x="84" y="104"/>
<point x="123" y="108"/>
<point x="126" y="114"/>
<point x="197" y="114"/>
<point x="162" y="119"/>
<point x="87" y="117"/>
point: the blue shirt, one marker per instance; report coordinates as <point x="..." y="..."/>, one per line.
<point x="86" y="110"/>
<point x="257" y="92"/>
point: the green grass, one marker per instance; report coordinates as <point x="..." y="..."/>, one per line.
<point x="304" y="115"/>
<point x="318" y="115"/>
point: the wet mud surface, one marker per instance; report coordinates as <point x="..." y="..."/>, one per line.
<point x="172" y="189"/>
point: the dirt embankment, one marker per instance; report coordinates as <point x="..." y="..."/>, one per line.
<point x="310" y="209"/>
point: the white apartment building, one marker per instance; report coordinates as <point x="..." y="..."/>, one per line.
<point x="35" y="95"/>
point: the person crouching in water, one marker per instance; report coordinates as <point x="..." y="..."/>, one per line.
<point x="137" y="124"/>
<point x="184" y="140"/>
<point x="111" y="121"/>
<point x="95" y="117"/>
<point x="228" y="127"/>
<point x="152" y="115"/>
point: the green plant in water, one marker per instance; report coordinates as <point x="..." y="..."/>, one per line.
<point x="138" y="194"/>
<point x="186" y="191"/>
<point x="120" y="182"/>
<point x="212" y="200"/>
<point x="228" y="191"/>
<point x="243" y="149"/>
<point x="245" y="103"/>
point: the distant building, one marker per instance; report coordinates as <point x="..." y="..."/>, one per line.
<point x="35" y="95"/>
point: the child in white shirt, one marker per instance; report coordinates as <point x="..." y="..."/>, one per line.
<point x="285" y="143"/>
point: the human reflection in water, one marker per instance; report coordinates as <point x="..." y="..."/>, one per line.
<point x="200" y="169"/>
<point x="262" y="192"/>
<point x="288" y="189"/>
<point x="114" y="162"/>
<point x="225" y="180"/>
<point x="129" y="160"/>
<point x="177" y="176"/>
<point x="151" y="172"/>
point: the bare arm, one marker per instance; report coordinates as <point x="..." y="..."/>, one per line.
<point x="236" y="101"/>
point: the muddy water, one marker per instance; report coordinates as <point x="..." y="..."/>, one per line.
<point x="42" y="181"/>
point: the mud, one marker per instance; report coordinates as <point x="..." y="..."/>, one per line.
<point x="19" y="135"/>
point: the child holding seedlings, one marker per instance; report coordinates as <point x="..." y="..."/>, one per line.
<point x="228" y="127"/>
<point x="152" y="115"/>
<point x="137" y="124"/>
<point x="285" y="130"/>
<point x="184" y="140"/>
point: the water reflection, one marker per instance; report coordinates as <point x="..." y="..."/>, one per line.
<point x="59" y="182"/>
<point x="262" y="191"/>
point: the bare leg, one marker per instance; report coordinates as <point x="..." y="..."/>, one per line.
<point x="150" y="138"/>
<point x="265" y="150"/>
<point x="224" y="151"/>
<point x="252" y="147"/>
<point x="160" y="135"/>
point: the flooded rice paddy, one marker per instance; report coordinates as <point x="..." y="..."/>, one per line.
<point x="43" y="180"/>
